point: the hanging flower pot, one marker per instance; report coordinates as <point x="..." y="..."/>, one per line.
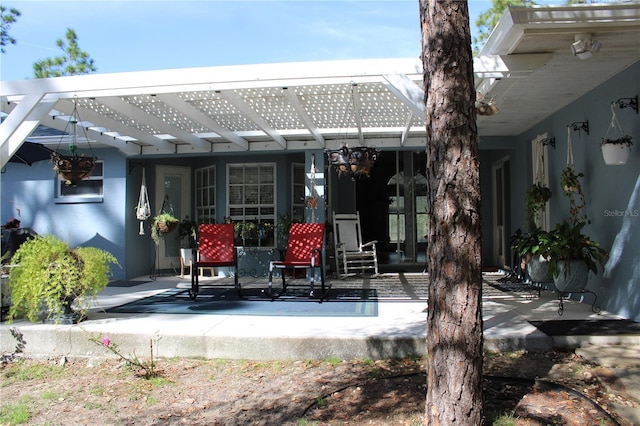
<point x="617" y="145"/>
<point x="616" y="151"/>
<point x="72" y="168"/>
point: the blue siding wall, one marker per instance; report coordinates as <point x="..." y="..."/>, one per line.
<point x="612" y="193"/>
<point x="28" y="194"/>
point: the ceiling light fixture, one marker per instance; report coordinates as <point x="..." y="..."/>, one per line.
<point x="584" y="46"/>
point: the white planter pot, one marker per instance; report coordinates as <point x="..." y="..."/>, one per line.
<point x="615" y="154"/>
<point x="572" y="276"/>
<point x="537" y="269"/>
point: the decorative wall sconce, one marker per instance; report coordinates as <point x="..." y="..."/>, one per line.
<point x="580" y="125"/>
<point x="549" y="141"/>
<point x="628" y="103"/>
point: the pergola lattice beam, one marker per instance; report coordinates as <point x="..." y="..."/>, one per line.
<point x="158" y="144"/>
<point x="235" y="100"/>
<point x="174" y="101"/>
<point x="123" y="107"/>
<point x="304" y="116"/>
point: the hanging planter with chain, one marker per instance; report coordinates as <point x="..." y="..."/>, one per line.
<point x="74" y="167"/>
<point x="617" y="146"/>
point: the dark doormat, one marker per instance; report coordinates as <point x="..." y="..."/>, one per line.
<point x="611" y="327"/>
<point x="125" y="283"/>
<point x="225" y="301"/>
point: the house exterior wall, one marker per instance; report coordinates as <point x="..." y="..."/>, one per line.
<point x="612" y="193"/>
<point x="28" y="194"/>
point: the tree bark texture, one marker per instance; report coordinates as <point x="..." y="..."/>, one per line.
<point x="454" y="326"/>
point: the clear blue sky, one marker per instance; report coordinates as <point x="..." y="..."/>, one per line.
<point x="146" y="35"/>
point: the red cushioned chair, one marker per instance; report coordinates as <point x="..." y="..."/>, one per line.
<point x="304" y="251"/>
<point x="215" y="248"/>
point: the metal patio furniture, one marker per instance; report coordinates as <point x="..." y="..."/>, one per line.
<point x="215" y="248"/>
<point x="304" y="251"/>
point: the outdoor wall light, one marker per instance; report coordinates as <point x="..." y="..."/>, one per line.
<point x="628" y="103"/>
<point x="584" y="46"/>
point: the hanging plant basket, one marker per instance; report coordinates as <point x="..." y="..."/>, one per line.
<point x="72" y="168"/>
<point x="615" y="145"/>
<point x="616" y="151"/>
<point x="167" y="227"/>
<point x="356" y="161"/>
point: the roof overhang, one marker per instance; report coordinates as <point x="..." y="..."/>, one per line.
<point x="317" y="105"/>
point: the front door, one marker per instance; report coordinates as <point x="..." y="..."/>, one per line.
<point x="173" y="193"/>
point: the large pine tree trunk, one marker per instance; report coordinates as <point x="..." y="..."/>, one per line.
<point x="454" y="326"/>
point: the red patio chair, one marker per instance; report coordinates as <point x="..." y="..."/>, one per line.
<point x="215" y="248"/>
<point x="304" y="251"/>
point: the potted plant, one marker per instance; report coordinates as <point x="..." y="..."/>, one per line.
<point x="571" y="255"/>
<point x="49" y="275"/>
<point x="246" y="230"/>
<point x="72" y="169"/>
<point x="536" y="198"/>
<point x="163" y="224"/>
<point x="529" y="247"/>
<point x="187" y="232"/>
<point x="616" y="151"/>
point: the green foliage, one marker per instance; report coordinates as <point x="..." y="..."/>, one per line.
<point x="74" y="60"/>
<point x="529" y="243"/>
<point x="504" y="420"/>
<point x="163" y="217"/>
<point x="536" y="198"/>
<point x="7" y="18"/>
<point x="15" y="414"/>
<point x="143" y="368"/>
<point x="488" y="19"/>
<point x="187" y="228"/>
<point x="623" y="140"/>
<point x="567" y="242"/>
<point x="50" y="275"/>
<point x="572" y="189"/>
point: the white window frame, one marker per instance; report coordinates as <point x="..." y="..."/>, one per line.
<point x="259" y="216"/>
<point x="96" y="197"/>
<point x="205" y="213"/>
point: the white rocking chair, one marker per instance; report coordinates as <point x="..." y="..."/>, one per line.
<point x="353" y="257"/>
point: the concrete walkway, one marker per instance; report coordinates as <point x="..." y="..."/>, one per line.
<point x="399" y="330"/>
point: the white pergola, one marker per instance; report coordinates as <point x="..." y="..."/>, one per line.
<point x="526" y="68"/>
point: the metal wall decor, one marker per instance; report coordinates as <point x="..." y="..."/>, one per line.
<point x="356" y="161"/>
<point x="73" y="168"/>
<point x="628" y="103"/>
<point x="580" y="126"/>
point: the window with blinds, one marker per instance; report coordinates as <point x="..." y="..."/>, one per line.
<point x="251" y="202"/>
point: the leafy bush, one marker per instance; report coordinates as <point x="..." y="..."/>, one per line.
<point x="50" y="275"/>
